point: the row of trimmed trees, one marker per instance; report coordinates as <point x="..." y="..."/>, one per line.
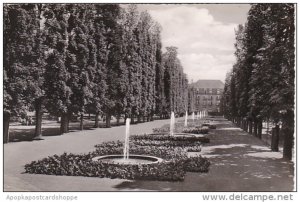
<point x="103" y="59"/>
<point x="261" y="85"/>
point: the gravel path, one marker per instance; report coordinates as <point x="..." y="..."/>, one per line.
<point x="239" y="162"/>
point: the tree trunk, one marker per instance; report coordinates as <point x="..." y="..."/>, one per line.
<point x="255" y="128"/>
<point x="6" y="118"/>
<point x="242" y="124"/>
<point x="246" y="126"/>
<point x="259" y="129"/>
<point x="139" y="119"/>
<point x="275" y="138"/>
<point x="250" y="127"/>
<point x="288" y="131"/>
<point x="38" y="118"/>
<point x="64" y="123"/>
<point x="96" y="120"/>
<point x="108" y="117"/>
<point x="268" y="126"/>
<point x="69" y="118"/>
<point x="125" y="117"/>
<point x="118" y="119"/>
<point x="148" y="118"/>
<point x="238" y="121"/>
<point x="131" y="119"/>
<point x="81" y="121"/>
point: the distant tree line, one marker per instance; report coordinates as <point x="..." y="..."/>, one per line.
<point x="261" y="85"/>
<point x="103" y="59"/>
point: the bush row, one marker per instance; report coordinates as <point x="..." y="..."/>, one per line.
<point x="209" y="125"/>
<point x="167" y="137"/>
<point x="196" y="130"/>
<point x="183" y="144"/>
<point x="197" y="164"/>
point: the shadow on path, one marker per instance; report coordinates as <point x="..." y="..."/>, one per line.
<point x="239" y="162"/>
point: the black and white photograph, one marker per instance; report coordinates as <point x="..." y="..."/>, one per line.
<point x="150" y="97"/>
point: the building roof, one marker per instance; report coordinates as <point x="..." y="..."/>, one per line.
<point x="208" y="84"/>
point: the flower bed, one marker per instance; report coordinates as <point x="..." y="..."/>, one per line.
<point x="166" y="137"/>
<point x="197" y="164"/>
<point x="82" y="165"/>
<point x="179" y="128"/>
<point x="173" y="167"/>
<point x="168" y="143"/>
<point x="209" y="125"/>
<point x="196" y="130"/>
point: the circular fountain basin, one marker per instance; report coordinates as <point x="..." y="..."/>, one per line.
<point x="133" y="159"/>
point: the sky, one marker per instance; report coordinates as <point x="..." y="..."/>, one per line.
<point x="203" y="33"/>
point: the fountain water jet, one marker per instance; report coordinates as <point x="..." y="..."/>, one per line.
<point x="172" y="123"/>
<point x="186" y="118"/>
<point x="126" y="144"/>
<point x="193" y="116"/>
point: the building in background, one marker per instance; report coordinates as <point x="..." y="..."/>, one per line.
<point x="206" y="95"/>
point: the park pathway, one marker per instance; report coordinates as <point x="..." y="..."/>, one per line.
<point x="239" y="162"/>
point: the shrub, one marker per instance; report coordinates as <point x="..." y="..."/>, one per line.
<point x="197" y="164"/>
<point x="196" y="130"/>
<point x="193" y="148"/>
<point x="212" y="126"/>
<point x="160" y="137"/>
<point x="169" y="143"/>
<point x="209" y="125"/>
<point x="161" y="130"/>
<point x="178" y="127"/>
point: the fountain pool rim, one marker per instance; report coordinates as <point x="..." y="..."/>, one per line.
<point x="180" y="134"/>
<point x="189" y="134"/>
<point x="151" y="159"/>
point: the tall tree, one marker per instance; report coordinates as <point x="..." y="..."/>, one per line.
<point x="57" y="91"/>
<point x="116" y="71"/>
<point x="23" y="64"/>
<point x="159" y="74"/>
<point x="97" y="61"/>
<point x="78" y="57"/>
<point x="133" y="61"/>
